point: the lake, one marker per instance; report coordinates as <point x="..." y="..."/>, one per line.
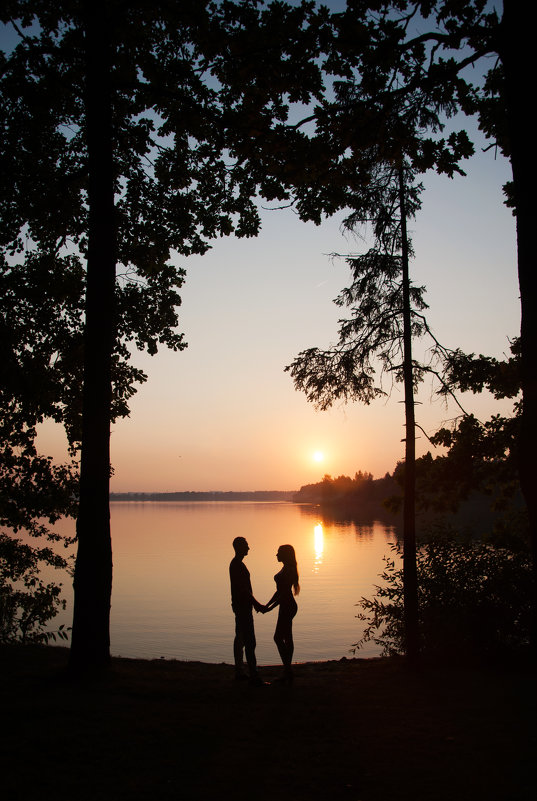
<point x="171" y="594"/>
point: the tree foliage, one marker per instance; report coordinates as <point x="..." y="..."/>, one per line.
<point x="474" y="600"/>
<point x="27" y="601"/>
<point x="431" y="45"/>
<point x="482" y="456"/>
<point x="380" y="122"/>
<point x="371" y="338"/>
<point x="357" y="497"/>
<point x="158" y="90"/>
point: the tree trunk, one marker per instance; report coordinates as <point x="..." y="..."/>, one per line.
<point x="410" y="579"/>
<point x="93" y="571"/>
<point x="516" y="52"/>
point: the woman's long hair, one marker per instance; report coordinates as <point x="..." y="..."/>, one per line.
<point x="287" y="553"/>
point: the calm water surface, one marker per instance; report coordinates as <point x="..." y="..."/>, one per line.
<point x="171" y="593"/>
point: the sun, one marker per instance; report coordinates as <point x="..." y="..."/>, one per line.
<point x="318" y="456"/>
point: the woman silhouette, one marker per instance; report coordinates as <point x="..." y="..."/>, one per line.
<point x="286" y="584"/>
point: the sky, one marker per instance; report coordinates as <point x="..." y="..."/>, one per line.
<point x="223" y="414"/>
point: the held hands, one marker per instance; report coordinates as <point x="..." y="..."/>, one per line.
<point x="260" y="607"/>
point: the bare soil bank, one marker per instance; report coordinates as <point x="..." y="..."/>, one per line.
<point x="367" y="730"/>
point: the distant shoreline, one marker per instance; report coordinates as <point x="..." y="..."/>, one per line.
<point x="260" y="495"/>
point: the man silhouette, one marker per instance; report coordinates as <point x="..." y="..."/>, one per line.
<point x="242" y="601"/>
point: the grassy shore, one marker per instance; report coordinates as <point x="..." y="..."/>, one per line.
<point x="366" y="730"/>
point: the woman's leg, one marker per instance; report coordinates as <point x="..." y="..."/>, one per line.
<point x="283" y="637"/>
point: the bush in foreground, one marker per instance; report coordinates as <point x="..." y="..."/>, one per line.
<point x="473" y="600"/>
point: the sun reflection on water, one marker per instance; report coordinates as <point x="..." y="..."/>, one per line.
<point x="318" y="545"/>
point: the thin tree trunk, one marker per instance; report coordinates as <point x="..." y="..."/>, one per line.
<point x="93" y="572"/>
<point x="516" y="52"/>
<point x="410" y="580"/>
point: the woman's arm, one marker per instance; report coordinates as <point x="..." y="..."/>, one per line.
<point x="273" y="603"/>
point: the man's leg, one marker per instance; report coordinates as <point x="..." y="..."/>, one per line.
<point x="248" y="635"/>
<point x="238" y="648"/>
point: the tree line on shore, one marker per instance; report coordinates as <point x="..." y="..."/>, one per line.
<point x="219" y="495"/>
<point x="361" y="496"/>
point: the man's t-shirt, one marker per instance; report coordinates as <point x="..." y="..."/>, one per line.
<point x="241" y="586"/>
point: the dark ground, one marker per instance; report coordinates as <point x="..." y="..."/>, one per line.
<point x="366" y="730"/>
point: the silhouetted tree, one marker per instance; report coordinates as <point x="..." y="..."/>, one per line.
<point x="501" y="105"/>
<point x="34" y="493"/>
<point x="428" y="46"/>
<point x="385" y="314"/>
<point x="415" y="55"/>
<point x="116" y="152"/>
<point x="481" y="456"/>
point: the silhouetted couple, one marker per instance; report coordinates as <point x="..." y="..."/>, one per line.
<point x="243" y="601"/>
